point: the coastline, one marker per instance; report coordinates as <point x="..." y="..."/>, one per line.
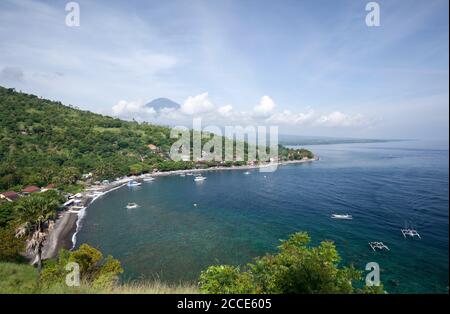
<point x="69" y="223"/>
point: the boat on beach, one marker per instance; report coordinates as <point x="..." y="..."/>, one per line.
<point x="149" y="179"/>
<point x="132" y="205"/>
<point x="133" y="183"/>
<point x="76" y="209"/>
<point x="342" y="216"/>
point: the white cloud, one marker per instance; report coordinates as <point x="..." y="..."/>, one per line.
<point x="132" y="109"/>
<point x="197" y="104"/>
<point x="292" y="118"/>
<point x="264" y="113"/>
<point x="339" y="119"/>
<point x="225" y="111"/>
<point x="264" y="108"/>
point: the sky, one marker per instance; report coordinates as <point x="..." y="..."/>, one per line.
<point x="310" y="67"/>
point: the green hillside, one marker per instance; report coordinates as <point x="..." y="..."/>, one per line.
<point x="45" y="142"/>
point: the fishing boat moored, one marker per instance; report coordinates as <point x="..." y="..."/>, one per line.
<point x="132" y="205"/>
<point x="342" y="216"/>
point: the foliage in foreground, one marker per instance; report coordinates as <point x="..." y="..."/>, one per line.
<point x="18" y="278"/>
<point x="95" y="270"/>
<point x="23" y="225"/>
<point x="297" y="268"/>
<point x="23" y="278"/>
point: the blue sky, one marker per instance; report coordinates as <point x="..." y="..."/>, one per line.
<point x="311" y="67"/>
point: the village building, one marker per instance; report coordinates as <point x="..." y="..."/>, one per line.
<point x="9" y="196"/>
<point x="31" y="189"/>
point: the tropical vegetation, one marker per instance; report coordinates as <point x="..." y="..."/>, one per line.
<point x="45" y="142"/>
<point x="296" y="268"/>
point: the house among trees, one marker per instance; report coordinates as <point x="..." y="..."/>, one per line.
<point x="31" y="189"/>
<point x="152" y="147"/>
<point x="10" y="196"/>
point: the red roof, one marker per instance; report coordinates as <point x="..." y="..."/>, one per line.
<point x="50" y="186"/>
<point x="31" y="189"/>
<point x="10" y="195"/>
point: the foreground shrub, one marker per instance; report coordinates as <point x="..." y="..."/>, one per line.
<point x="95" y="270"/>
<point x="297" y="268"/>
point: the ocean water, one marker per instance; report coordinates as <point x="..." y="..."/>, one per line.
<point x="385" y="186"/>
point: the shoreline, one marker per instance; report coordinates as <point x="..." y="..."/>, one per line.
<point x="69" y="223"/>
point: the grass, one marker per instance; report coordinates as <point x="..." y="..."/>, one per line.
<point x="22" y="278"/>
<point x="18" y="278"/>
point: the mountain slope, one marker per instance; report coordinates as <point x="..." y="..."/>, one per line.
<point x="44" y="142"/>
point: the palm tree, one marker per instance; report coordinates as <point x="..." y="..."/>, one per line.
<point x="35" y="213"/>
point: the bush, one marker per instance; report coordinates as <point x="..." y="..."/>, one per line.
<point x="297" y="268"/>
<point x="10" y="246"/>
<point x="95" y="270"/>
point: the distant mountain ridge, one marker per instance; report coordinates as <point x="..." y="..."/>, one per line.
<point x="160" y="103"/>
<point x="323" y="140"/>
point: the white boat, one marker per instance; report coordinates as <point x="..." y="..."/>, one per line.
<point x="133" y="183"/>
<point x="182" y="175"/>
<point x="247" y="172"/>
<point x="199" y="178"/>
<point x="132" y="205"/>
<point x="341" y="216"/>
<point x="149" y="179"/>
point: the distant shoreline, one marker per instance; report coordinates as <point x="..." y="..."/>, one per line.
<point x="68" y="224"/>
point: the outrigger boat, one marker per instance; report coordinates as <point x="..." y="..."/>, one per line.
<point x="199" y="178"/>
<point x="342" y="216"/>
<point x="132" y="205"/>
<point x="378" y="245"/>
<point x="410" y="232"/>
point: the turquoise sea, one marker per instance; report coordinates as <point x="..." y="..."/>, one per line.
<point x="385" y="186"/>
